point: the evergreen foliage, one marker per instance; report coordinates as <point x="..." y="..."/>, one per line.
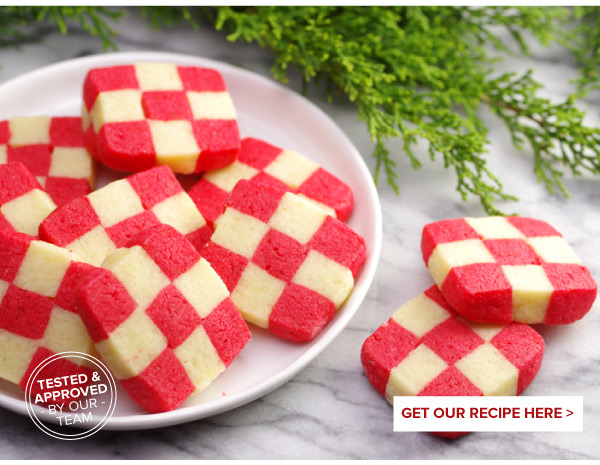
<point x="414" y="73"/>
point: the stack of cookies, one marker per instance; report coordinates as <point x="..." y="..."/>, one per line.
<point x="468" y="335"/>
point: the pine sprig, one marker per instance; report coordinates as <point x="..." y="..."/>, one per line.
<point x="169" y="16"/>
<point x="11" y="22"/>
<point x="93" y="20"/>
<point x="414" y="73"/>
<point x="585" y="45"/>
<point x="382" y="157"/>
<point x="555" y="132"/>
<point x="421" y="74"/>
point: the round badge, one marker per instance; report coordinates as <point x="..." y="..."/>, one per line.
<point x="73" y="393"/>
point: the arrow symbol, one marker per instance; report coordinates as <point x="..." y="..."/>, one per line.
<point x="569" y="413"/>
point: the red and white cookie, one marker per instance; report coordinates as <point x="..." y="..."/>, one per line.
<point x="287" y="263"/>
<point x="23" y="203"/>
<point x="262" y="162"/>
<point x="427" y="349"/>
<point x="147" y="114"/>
<point x="161" y="318"/>
<point x="95" y="225"/>
<point x="53" y="150"/>
<point x="498" y="270"/>
<point x="38" y="313"/>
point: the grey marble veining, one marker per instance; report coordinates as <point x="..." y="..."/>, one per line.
<point x="329" y="410"/>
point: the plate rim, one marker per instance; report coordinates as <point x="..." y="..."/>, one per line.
<point x="156" y="420"/>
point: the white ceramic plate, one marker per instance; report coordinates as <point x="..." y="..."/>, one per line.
<point x="265" y="110"/>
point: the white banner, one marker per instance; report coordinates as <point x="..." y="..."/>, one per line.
<point x="470" y="413"/>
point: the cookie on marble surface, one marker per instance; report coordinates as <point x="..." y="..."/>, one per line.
<point x="287" y="263"/>
<point x="427" y="349"/>
<point x="38" y="311"/>
<point x="95" y="225"/>
<point x="147" y="114"/>
<point x="502" y="269"/>
<point x="52" y="149"/>
<point x="262" y="162"/>
<point x="161" y="318"/>
<point x="23" y="203"/>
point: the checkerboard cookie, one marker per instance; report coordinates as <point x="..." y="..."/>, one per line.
<point x="147" y="114"/>
<point x="498" y="270"/>
<point x="38" y="312"/>
<point x="287" y="263"/>
<point x="161" y="318"/>
<point x="284" y="169"/>
<point x="53" y="150"/>
<point x="23" y="203"/>
<point x="95" y="225"/>
<point x="427" y="349"/>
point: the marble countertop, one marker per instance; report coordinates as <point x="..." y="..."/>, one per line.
<point x="330" y="410"/>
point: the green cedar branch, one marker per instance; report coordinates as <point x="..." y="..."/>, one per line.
<point x="555" y="132"/>
<point x="422" y="73"/>
<point x="93" y="20"/>
<point x="585" y="45"/>
<point x="414" y="73"/>
<point x="169" y="16"/>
